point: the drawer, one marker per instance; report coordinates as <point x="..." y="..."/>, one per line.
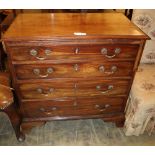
<point x="73" y="52"/>
<point x="64" y="89"/>
<point x="74" y="70"/>
<point x="72" y="107"/>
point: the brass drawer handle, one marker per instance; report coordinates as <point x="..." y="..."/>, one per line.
<point x="76" y="67"/>
<point x="104" y="51"/>
<point x="110" y="87"/>
<point x="34" y="53"/>
<point x="48" y="112"/>
<point x="36" y="71"/>
<point x="102" y="108"/>
<point x="40" y="58"/>
<point x="113" y="70"/>
<point x="46" y="93"/>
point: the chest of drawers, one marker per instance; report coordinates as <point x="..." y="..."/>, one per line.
<point x="72" y="66"/>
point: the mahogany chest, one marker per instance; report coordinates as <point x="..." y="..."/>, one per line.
<point x="72" y="66"/>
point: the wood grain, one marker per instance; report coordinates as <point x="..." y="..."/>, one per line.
<point x="73" y="52"/>
<point x="79" y="107"/>
<point x="98" y="25"/>
<point x="58" y="89"/>
<point x="65" y="70"/>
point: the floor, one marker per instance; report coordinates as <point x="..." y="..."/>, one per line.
<point x="74" y="132"/>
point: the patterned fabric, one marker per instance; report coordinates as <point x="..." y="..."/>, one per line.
<point x="145" y="20"/>
<point x="140" y="110"/>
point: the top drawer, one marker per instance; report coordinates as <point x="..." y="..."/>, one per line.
<point x="40" y="53"/>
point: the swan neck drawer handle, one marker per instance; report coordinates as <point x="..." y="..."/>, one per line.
<point x="36" y="71"/>
<point x="43" y="92"/>
<point x="102" y="108"/>
<point x="113" y="70"/>
<point x="104" y="51"/>
<point x="110" y="87"/>
<point x="34" y="53"/>
<point x="48" y="112"/>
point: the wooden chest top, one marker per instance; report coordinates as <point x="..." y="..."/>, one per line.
<point x="72" y="25"/>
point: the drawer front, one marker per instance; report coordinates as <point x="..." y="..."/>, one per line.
<point x="74" y="70"/>
<point x="78" y="107"/>
<point x="73" y="52"/>
<point x="62" y="89"/>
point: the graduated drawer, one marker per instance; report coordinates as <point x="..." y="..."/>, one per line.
<point x="72" y="107"/>
<point x="74" y="70"/>
<point x="63" y="89"/>
<point x="107" y="51"/>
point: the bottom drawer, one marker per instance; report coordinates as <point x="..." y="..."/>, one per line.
<point x="72" y="107"/>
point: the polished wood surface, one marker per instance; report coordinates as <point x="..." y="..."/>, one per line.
<point x="64" y="89"/>
<point x="73" y="52"/>
<point x="80" y="107"/>
<point x="74" y="70"/>
<point x="96" y="25"/>
<point x="58" y="75"/>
